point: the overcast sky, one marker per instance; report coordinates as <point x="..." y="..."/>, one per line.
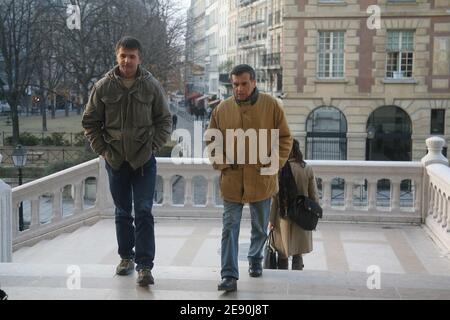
<point x="185" y="3"/>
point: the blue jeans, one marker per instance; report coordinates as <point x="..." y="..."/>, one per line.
<point x="126" y="184"/>
<point x="259" y="212"/>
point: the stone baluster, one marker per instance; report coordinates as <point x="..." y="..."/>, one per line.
<point x="431" y="199"/>
<point x="210" y="192"/>
<point x="15" y="220"/>
<point x="372" y="194"/>
<point x="103" y="202"/>
<point x="167" y="191"/>
<point x="78" y="199"/>
<point x="57" y="205"/>
<point x="417" y="195"/>
<point x="395" y="195"/>
<point x="326" y="193"/>
<point x="448" y="214"/>
<point x="440" y="207"/>
<point x="188" y="196"/>
<point x="348" y="194"/>
<point x="34" y="214"/>
<point x="435" y="203"/>
<point x="444" y="211"/>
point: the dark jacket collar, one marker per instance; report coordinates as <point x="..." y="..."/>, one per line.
<point x="251" y="99"/>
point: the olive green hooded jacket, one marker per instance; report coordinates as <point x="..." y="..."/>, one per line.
<point x="127" y="124"/>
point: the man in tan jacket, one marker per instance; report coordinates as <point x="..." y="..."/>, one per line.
<point x="262" y="119"/>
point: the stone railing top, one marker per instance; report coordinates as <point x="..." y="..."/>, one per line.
<point x="434" y="145"/>
<point x="440" y="175"/>
<point x="72" y="173"/>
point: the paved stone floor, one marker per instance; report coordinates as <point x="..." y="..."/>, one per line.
<point x="349" y="261"/>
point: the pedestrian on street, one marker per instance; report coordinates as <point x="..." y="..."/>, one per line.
<point x="126" y="121"/>
<point x="174" y="121"/>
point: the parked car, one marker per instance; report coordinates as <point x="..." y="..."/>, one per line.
<point x="5" y="109"/>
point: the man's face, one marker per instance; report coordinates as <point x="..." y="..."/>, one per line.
<point x="128" y="61"/>
<point x="242" y="85"/>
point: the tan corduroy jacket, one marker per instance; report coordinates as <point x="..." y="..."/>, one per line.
<point x="244" y="183"/>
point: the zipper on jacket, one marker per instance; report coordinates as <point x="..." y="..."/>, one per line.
<point x="122" y="129"/>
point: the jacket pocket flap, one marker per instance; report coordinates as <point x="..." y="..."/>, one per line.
<point x="111" y="99"/>
<point x="143" y="134"/>
<point x="111" y="136"/>
<point x="144" y="98"/>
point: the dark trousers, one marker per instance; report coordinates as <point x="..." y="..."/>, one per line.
<point x="127" y="185"/>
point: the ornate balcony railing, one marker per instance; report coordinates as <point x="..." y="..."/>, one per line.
<point x="271" y="59"/>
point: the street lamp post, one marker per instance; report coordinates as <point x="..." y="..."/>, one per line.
<point x="20" y="159"/>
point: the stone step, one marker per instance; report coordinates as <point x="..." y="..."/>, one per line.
<point x="53" y="281"/>
<point x="74" y="247"/>
<point x="41" y="249"/>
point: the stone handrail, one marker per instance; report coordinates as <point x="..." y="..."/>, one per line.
<point x="5" y="223"/>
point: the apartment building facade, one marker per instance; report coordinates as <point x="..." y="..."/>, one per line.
<point x="366" y="80"/>
<point x="239" y="31"/>
<point x="196" y="49"/>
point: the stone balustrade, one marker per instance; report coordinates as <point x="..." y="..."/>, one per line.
<point x="53" y="188"/>
<point x="437" y="183"/>
<point x="357" y="191"/>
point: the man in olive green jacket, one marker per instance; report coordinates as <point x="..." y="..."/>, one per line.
<point x="252" y="113"/>
<point x="126" y="120"/>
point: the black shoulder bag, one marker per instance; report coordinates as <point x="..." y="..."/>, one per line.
<point x="304" y="211"/>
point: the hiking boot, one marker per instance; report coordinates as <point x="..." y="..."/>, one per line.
<point x="297" y="262"/>
<point x="145" y="277"/>
<point x="227" y="284"/>
<point x="125" y="267"/>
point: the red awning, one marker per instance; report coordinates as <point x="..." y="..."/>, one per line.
<point x="201" y="98"/>
<point x="193" y="95"/>
<point x="213" y="102"/>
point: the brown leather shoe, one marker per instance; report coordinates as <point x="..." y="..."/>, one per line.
<point x="283" y="263"/>
<point x="297" y="262"/>
<point x="255" y="269"/>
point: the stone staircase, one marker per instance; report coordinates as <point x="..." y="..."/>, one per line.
<point x="81" y="264"/>
<point x="98" y="282"/>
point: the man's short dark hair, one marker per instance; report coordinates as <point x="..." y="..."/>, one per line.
<point x="128" y="42"/>
<point x="243" y="68"/>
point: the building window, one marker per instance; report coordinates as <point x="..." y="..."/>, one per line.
<point x="437" y="121"/>
<point x="400" y="49"/>
<point x="331" y="54"/>
<point x="326" y="134"/>
<point x="389" y="131"/>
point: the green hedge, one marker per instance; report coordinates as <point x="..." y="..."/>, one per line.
<point x="54" y="139"/>
<point x="61" y="165"/>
